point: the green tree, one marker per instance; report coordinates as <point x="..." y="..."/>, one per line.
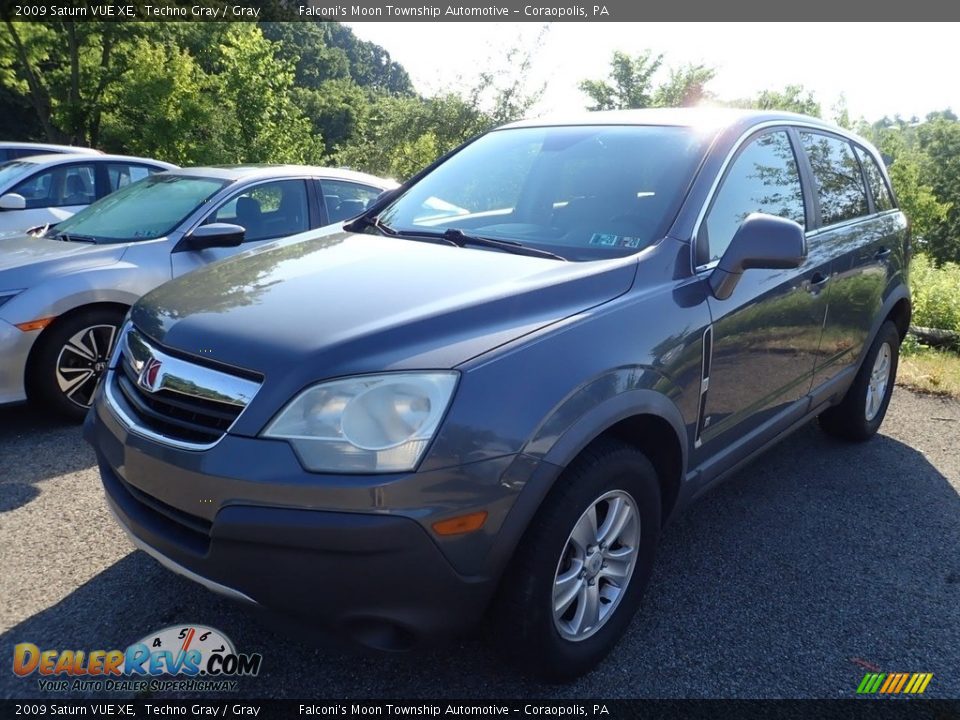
<point x="939" y="140"/>
<point x="63" y="71"/>
<point x="686" y="86"/>
<point x="404" y="134"/>
<point x="165" y="107"/>
<point x="793" y="98"/>
<point x="629" y="85"/>
<point x="337" y="110"/>
<point x="254" y="91"/>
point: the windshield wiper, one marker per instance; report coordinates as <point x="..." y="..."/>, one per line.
<point x="460" y="239"/>
<point x="75" y="238"/>
<point x="453" y="236"/>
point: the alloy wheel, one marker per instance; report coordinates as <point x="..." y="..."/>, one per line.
<point x="879" y="379"/>
<point x="596" y="565"/>
<point x="82" y="361"/>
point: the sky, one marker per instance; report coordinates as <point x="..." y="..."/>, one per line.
<point x="880" y="68"/>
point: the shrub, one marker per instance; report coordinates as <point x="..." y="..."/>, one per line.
<point x="936" y="294"/>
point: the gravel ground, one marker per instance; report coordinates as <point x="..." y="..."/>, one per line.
<point x="817" y="562"/>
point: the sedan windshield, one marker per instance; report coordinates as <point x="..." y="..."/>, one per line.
<point x="14" y="170"/>
<point x="581" y="192"/>
<point x="145" y="210"/>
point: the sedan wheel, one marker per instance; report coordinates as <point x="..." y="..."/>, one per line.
<point x="82" y="361"/>
<point x="70" y="357"/>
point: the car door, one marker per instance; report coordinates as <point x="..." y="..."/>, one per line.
<point x="858" y="242"/>
<point x="52" y="195"/>
<point x="344" y="200"/>
<point x="765" y="336"/>
<point x="267" y="211"/>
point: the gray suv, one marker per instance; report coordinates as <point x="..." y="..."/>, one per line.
<point x="491" y="391"/>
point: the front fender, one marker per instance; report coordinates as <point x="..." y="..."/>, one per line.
<point x="120" y="283"/>
<point x="571" y="426"/>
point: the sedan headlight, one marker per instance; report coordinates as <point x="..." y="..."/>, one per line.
<point x="369" y="423"/>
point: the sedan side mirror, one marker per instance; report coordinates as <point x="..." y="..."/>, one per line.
<point x="215" y="235"/>
<point x="761" y="242"/>
<point x="13" y="201"/>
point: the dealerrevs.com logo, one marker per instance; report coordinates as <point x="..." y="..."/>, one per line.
<point x="180" y="657"/>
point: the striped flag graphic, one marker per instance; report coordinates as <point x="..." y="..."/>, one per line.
<point x="894" y="683"/>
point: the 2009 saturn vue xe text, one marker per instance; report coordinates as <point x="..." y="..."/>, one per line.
<point x="492" y="389"/>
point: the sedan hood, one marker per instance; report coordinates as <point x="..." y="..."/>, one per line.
<point x="25" y="260"/>
<point x="338" y="304"/>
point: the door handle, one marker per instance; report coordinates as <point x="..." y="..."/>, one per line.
<point x="882" y="253"/>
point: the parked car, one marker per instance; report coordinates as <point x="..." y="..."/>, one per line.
<point x="64" y="291"/>
<point x="16" y="150"/>
<point x="495" y="389"/>
<point x="45" y="189"/>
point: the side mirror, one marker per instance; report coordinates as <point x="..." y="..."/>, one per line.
<point x="215" y="235"/>
<point x="761" y="242"/>
<point x="13" y="201"/>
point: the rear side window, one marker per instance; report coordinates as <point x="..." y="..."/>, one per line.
<point x="762" y="179"/>
<point x="345" y="200"/>
<point x="882" y="200"/>
<point x="123" y="174"/>
<point x="839" y="180"/>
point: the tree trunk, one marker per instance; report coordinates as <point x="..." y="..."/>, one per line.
<point x="39" y="97"/>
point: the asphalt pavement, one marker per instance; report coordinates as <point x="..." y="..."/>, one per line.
<point x="815" y="564"/>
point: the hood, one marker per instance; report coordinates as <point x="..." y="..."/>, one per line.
<point x="25" y="260"/>
<point x="345" y="303"/>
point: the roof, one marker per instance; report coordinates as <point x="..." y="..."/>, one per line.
<point x="249" y="172"/>
<point x="701" y="117"/>
<point x="62" y="158"/>
<point x="48" y="146"/>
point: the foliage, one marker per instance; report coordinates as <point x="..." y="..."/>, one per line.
<point x="206" y="93"/>
<point x="631" y="84"/>
<point x="405" y="134"/>
<point x="936" y="294"/>
<point x="939" y="140"/>
<point x="793" y="98"/>
<point x="254" y="83"/>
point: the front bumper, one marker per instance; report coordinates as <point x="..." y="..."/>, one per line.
<point x="353" y="552"/>
<point x="15" y="348"/>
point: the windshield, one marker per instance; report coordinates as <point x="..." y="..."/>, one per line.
<point x="14" y="170"/>
<point x="583" y="193"/>
<point x="145" y="210"/>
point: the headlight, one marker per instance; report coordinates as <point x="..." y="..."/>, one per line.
<point x="369" y="423"/>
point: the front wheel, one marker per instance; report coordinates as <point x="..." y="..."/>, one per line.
<point x="860" y="413"/>
<point x="579" y="573"/>
<point x="70" y="358"/>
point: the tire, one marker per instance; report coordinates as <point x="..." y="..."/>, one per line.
<point x="69" y="359"/>
<point x="860" y="413"/>
<point x="561" y="648"/>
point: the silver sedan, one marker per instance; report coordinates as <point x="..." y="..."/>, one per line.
<point x="65" y="289"/>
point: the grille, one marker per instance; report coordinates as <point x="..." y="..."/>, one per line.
<point x="179" y="400"/>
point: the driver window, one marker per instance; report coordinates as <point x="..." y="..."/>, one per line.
<point x="266" y="211"/>
<point x="763" y="178"/>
